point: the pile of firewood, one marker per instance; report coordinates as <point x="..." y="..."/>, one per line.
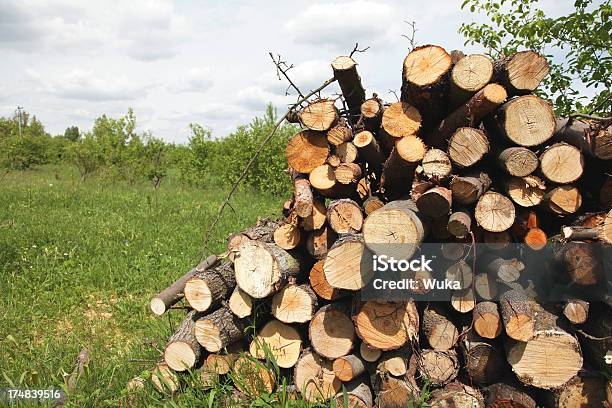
<point x="469" y="158"/>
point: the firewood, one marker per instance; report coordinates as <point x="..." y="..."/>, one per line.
<point x="314" y="377"/>
<point x="262" y="267"/>
<point x="345" y="71"/>
<point x="397" y="175"/>
<point x="218" y="329"/>
<point x="368" y="353"/>
<point x="504" y="270"/>
<point x="368" y="149"/>
<point x="294" y="304"/>
<point x="598" y="343"/>
<point x="358" y="395"/>
<point x="344" y="216"/>
<point x="436" y="164"/>
<point x="521" y="72"/>
<point x="563" y="200"/>
<point x="485" y="286"/>
<point x="425" y="80"/>
<point x="581" y="261"/>
<point x="319" y="115"/>
<point x="410" y="149"/>
<point x="504" y="395"/>
<point x="393" y="363"/>
<point x="460" y="272"/>
<point x="440" y="332"/>
<point x="487" y="322"/>
<point x="240" y="303"/>
<point x="319" y="283"/>
<point x="435" y="202"/>
<point x="562" y="163"/>
<point x="323" y="177"/>
<point x="347" y="152"/>
<point x="469" y="188"/>
<point x="209" y="287"/>
<point x="550" y="358"/>
<point x="469" y="75"/>
<point x="339" y="134"/>
<point x="319" y="242"/>
<point x="393" y="392"/>
<point x="345" y="266"/>
<point x="401" y="119"/>
<point x="602" y="232"/>
<point x="331" y="331"/>
<point x="302" y="195"/>
<point x="262" y="231"/>
<point x="348" y="367"/>
<point x="306" y="150"/>
<point x="333" y="160"/>
<point x="463" y="301"/>
<point x="517" y="315"/>
<point x="494" y="212"/>
<point x="467" y="146"/>
<point x="524" y="121"/>
<point x="282" y="341"/>
<point x="460" y="223"/>
<point x="164" y="379"/>
<point x="453" y="251"/>
<point x="255" y="377"/>
<point x="485" y="362"/>
<point x="438" y="228"/>
<point x="288" y="236"/>
<point x="470" y="114"/>
<point x="439" y="367"/>
<point x="592" y="140"/>
<point x="456" y="395"/>
<point x="526" y="191"/>
<point x="317" y="218"/>
<point x="518" y="161"/>
<point x="221" y="363"/>
<point x="387" y="326"/>
<point x="576" y="310"/>
<point x="580" y="392"/>
<point x="372" y="204"/>
<point x="347" y="173"/>
<point x="175" y="292"/>
<point x="372" y="112"/>
<point x="183" y="351"/>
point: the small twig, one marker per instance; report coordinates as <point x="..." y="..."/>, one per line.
<point x="279" y="70"/>
<point x="142" y="360"/>
<point x="588" y="336"/>
<point x="356" y="49"/>
<point x="410" y="37"/>
<point x="394" y="93"/>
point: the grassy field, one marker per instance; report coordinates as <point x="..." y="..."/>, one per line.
<point x="79" y="263"/>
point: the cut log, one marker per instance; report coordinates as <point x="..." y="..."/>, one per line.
<point x="302" y="195"/>
<point x="581" y="261"/>
<point x="469" y="114"/>
<point x="435" y="202"/>
<point x="562" y="163"/>
<point x="319" y="242"/>
<point x="518" y="161"/>
<point x="467" y="146"/>
<point x="173" y="293"/>
<point x="288" y="235"/>
<point x="339" y="134"/>
<point x="505" y="396"/>
<point x="485" y="286"/>
<point x="372" y="112"/>
<point x="504" y="270"/>
<point x="221" y="363"/>
<point x="410" y="149"/>
<point x="468" y="76"/>
<point x="393" y="363"/>
<point x="425" y="80"/>
<point x="348" y="173"/>
<point x="387" y="326"/>
<point x="456" y="395"/>
<point x="401" y="119"/>
<point x="486" y="320"/>
<point x="469" y="188"/>
<point x="589" y="139"/>
<point x="240" y="303"/>
<point x="261" y="268"/>
<point x="397" y="176"/>
<point x="317" y="218"/>
<point x="393" y="392"/>
<point x="517" y="315"/>
<point x="208" y="288"/>
<point x="357" y="395"/>
<point x="164" y="379"/>
<point x="485" y="362"/>
<point x="347" y="152"/>
<point x="372" y="204"/>
<point x="306" y="150"/>
<point x="331" y="332"/>
<point x="344" y="216"/>
<point x="183" y="351"/>
<point x="345" y="71"/>
<point x="521" y="72"/>
<point x="368" y="353"/>
<point x="255" y="377"/>
<point x="548" y="360"/>
<point x="348" y="367"/>
<point x="494" y="212"/>
<point x="368" y="149"/>
<point x="319" y="283"/>
<point x="576" y="310"/>
<point x="581" y="392"/>
<point x="280" y="340"/>
<point x="526" y="191"/>
<point x="439" y="367"/>
<point x="319" y="115"/>
<point x="563" y="200"/>
<point x="314" y="377"/>
<point x="460" y="272"/>
<point x="348" y="263"/>
<point x="294" y="304"/>
<point x="460" y="223"/>
<point x="525" y="121"/>
<point x="323" y="177"/>
<point x="395" y="229"/>
<point x="463" y="301"/>
<point x="218" y="330"/>
<point x="440" y="332"/>
<point x="262" y="231"/>
<point x="436" y="164"/>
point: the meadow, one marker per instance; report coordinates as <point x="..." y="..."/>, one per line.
<point x="79" y="263"/>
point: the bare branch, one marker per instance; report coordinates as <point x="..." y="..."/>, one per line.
<point x="411" y="35"/>
<point x="282" y="68"/>
<point x="356" y="49"/>
<point x="391" y="91"/>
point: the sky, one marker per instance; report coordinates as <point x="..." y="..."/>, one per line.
<point x="69" y="62"/>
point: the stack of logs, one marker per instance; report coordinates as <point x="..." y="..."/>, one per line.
<point x="468" y="157"/>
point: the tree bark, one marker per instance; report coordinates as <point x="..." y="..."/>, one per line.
<point x="208" y="288"/>
<point x="469" y="188"/>
<point x="182" y="350"/>
<point x="518" y="317"/>
<point x="345" y="71"/>
<point x="485" y="362"/>
<point x="218" y="329"/>
<point x="348" y="367"/>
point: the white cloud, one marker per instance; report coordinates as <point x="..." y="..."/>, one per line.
<point x="256" y="98"/>
<point x="196" y="80"/>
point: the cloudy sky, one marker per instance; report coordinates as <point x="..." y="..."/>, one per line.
<point x="178" y="62"/>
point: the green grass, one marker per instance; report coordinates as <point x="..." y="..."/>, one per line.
<point x="79" y="263"/>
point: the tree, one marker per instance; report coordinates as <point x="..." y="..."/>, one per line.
<point x="72" y="133"/>
<point x="580" y="42"/>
